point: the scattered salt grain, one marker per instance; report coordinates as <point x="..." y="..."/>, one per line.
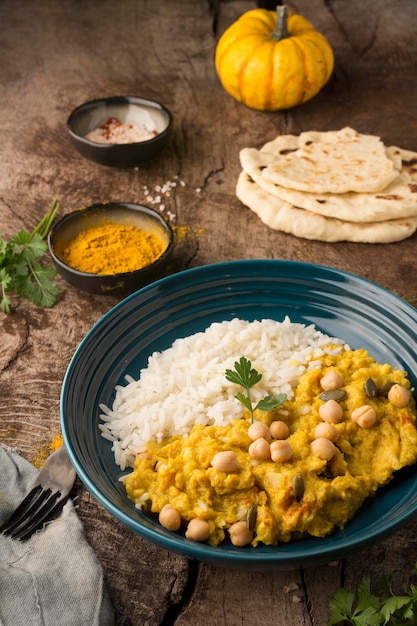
<point x="291" y="587"/>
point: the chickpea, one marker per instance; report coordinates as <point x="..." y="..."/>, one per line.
<point x="169" y="517"/>
<point x="279" y="430"/>
<point x="240" y="535"/>
<point x="225" y="461"/>
<point x="144" y="455"/>
<point x="399" y="396"/>
<point x="331" y="380"/>
<point x="328" y="431"/>
<point x="259" y="430"/>
<point x="260" y="449"/>
<point x="198" y="529"/>
<point x="323" y="448"/>
<point x="331" y="412"/>
<point x="280" y="451"/>
<point x="364" y="416"/>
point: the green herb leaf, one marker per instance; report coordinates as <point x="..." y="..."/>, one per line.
<point x="38" y="286"/>
<point x="32" y="246"/>
<point x="244" y="400"/>
<point x="5" y="281"/>
<point x="268" y="403"/>
<point x="371" y="610"/>
<point x="365" y="597"/>
<point x="343" y="611"/>
<point x="367" y="617"/>
<point x="247" y="377"/>
<point x="20" y="270"/>
<point x="341" y="606"/>
<point x="393" y="605"/>
<point x="243" y="375"/>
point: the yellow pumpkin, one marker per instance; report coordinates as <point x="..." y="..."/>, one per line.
<point x="272" y="61"/>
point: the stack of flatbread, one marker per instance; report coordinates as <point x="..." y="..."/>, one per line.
<point x="332" y="186"/>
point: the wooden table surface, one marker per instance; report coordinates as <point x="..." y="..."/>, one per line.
<point x="56" y="55"/>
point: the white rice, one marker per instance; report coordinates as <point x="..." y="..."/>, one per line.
<point x="186" y="384"/>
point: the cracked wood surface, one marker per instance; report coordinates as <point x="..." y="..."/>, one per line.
<point x="55" y="56"/>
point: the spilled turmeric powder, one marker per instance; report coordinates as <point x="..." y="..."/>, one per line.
<point x="184" y="232"/>
<point x="47" y="450"/>
<point x="112" y="248"/>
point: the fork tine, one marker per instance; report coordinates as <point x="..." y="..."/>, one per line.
<point x="46" y="513"/>
<point x="49" y="493"/>
<point x="22" y="510"/>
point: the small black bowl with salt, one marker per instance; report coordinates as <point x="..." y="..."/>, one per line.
<point x="120" y="131"/>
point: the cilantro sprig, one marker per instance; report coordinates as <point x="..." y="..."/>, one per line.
<point x="20" y="269"/>
<point x="366" y="609"/>
<point x="247" y="377"/>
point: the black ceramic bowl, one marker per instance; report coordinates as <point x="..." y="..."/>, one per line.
<point x="121" y="284"/>
<point x="129" y="109"/>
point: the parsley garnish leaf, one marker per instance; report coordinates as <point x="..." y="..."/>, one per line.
<point x="372" y="610"/>
<point x="244" y="375"/>
<point x="268" y="403"/>
<point x="20" y="269"/>
<point x="366" y="599"/>
<point x="341" y="606"/>
<point x="393" y="605"/>
<point x="364" y="614"/>
<point x="247" y="377"/>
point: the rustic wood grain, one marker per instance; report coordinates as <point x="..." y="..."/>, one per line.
<point x="55" y="56"/>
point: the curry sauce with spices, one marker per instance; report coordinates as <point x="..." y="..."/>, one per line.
<point x="178" y="471"/>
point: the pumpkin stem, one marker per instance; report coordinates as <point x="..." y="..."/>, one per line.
<point x="281" y="25"/>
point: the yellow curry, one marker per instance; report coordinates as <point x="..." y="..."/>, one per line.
<point x="311" y="492"/>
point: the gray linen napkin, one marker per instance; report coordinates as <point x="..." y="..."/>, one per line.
<point x="54" y="578"/>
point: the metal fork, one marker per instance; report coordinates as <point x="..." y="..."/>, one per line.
<point x="46" y="498"/>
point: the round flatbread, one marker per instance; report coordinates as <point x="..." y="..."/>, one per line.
<point x="397" y="200"/>
<point x="331" y="162"/>
<point x="280" y="215"/>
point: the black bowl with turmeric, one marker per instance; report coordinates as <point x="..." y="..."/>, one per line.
<point x="111" y="248"/>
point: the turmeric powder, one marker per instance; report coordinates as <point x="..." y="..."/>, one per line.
<point x="112" y="248"/>
<point x="47" y="450"/>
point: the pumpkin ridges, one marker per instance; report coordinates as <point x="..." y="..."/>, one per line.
<point x="232" y="42"/>
<point x="253" y="95"/>
<point x="232" y="36"/>
<point x="286" y="60"/>
<point x="320" y="44"/>
<point x="319" y="71"/>
<point x="235" y="64"/>
<point x="286" y="66"/>
<point x="297" y="25"/>
<point x="265" y="20"/>
<point x="242" y="28"/>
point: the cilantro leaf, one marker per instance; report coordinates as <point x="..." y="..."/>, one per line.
<point x="32" y="246"/>
<point x="365" y="597"/>
<point x="372" y="610"/>
<point x="366" y="612"/>
<point x="268" y="403"/>
<point x="367" y="617"/>
<point x="244" y="400"/>
<point x="247" y="377"/>
<point x="393" y="605"/>
<point x="20" y="269"/>
<point x="5" y="281"/>
<point x="244" y="375"/>
<point x="341" y="606"/>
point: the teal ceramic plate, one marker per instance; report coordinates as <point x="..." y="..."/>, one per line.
<point x="339" y="304"/>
